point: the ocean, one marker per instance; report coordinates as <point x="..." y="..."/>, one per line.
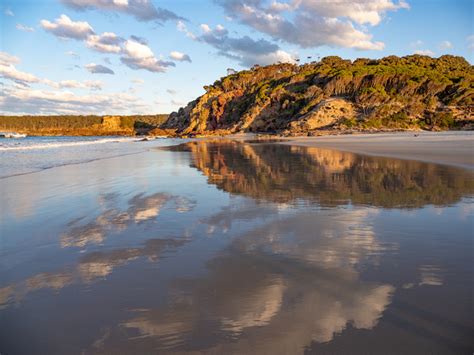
<point x="30" y="154"/>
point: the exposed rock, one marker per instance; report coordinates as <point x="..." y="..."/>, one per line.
<point x="326" y="113"/>
<point x="411" y="92"/>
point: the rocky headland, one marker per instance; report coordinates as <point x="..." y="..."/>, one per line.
<point x="334" y="95"/>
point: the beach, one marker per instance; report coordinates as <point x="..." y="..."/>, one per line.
<point x="222" y="245"/>
<point x="452" y="148"/>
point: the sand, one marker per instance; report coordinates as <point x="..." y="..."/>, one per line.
<point x="451" y="148"/>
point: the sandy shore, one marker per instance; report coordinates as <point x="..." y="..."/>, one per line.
<point x="451" y="148"/>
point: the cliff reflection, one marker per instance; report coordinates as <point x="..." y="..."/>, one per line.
<point x="287" y="173"/>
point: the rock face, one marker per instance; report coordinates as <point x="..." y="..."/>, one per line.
<point x="327" y="113"/>
<point x="396" y="93"/>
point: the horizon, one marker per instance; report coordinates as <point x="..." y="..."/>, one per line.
<point x="129" y="58"/>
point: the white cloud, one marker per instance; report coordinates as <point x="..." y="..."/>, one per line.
<point x="360" y="11"/>
<point x="181" y="57"/>
<point x="139" y="56"/>
<point x="424" y="52"/>
<point x="444" y="45"/>
<point x="134" y="52"/>
<point x="9" y="12"/>
<point x="64" y="27"/>
<point x="74" y="84"/>
<point x="98" y="69"/>
<point x="181" y="26"/>
<point x="245" y="50"/>
<point x="10" y="72"/>
<point x="313" y="23"/>
<point x="21" y="27"/>
<point x="107" y="42"/>
<point x="27" y="100"/>
<point x="6" y="59"/>
<point x="143" y="10"/>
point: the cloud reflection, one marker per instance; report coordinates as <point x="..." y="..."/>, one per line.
<point x="141" y="209"/>
<point x="277" y="288"/>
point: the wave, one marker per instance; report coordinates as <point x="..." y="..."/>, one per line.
<point x="42" y="145"/>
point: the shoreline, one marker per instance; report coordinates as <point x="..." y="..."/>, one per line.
<point x="447" y="148"/>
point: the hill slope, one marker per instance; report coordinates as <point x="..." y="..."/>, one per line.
<point x="389" y="93"/>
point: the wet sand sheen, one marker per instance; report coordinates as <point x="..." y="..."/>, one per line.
<point x="228" y="247"/>
<point x="452" y="148"/>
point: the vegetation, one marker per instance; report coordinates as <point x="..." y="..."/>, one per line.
<point x="81" y="125"/>
<point x="412" y="92"/>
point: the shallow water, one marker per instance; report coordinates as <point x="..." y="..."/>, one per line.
<point x="31" y="154"/>
<point x="236" y="248"/>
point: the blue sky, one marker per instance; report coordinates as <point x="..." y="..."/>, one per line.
<point x="150" y="56"/>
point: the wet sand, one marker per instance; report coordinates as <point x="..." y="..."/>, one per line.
<point x="450" y="148"/>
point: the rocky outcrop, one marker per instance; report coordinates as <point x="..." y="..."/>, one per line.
<point x="327" y="113"/>
<point x="395" y="93"/>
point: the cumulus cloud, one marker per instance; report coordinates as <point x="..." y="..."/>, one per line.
<point x="27" y="100"/>
<point x="181" y="26"/>
<point x="143" y="10"/>
<point x="7" y="59"/>
<point x="180" y="57"/>
<point x="424" y="52"/>
<point x="21" y="27"/>
<point x="134" y="52"/>
<point x="313" y="23"/>
<point x="98" y="69"/>
<point x="360" y="11"/>
<point x="64" y="27"/>
<point x="245" y="50"/>
<point x="139" y="56"/>
<point x="444" y="45"/>
<point x="9" y="71"/>
<point x="107" y="42"/>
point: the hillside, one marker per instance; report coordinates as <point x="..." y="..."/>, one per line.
<point x="413" y="92"/>
<point x="81" y="125"/>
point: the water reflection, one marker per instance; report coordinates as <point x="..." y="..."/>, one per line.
<point x="286" y="173"/>
<point x="286" y="250"/>
<point x="276" y="288"/>
<point x="141" y="209"/>
<point x="90" y="268"/>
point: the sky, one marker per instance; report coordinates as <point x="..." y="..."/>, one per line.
<point x="149" y="56"/>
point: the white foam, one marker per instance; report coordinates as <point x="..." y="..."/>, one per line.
<point x="52" y="145"/>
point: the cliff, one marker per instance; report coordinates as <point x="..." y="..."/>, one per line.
<point x="413" y="92"/>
